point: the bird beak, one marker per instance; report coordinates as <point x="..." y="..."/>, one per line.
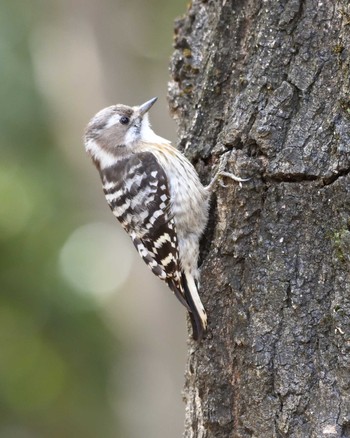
<point x="146" y="106"/>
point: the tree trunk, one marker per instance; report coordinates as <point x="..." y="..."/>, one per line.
<point x="269" y="81"/>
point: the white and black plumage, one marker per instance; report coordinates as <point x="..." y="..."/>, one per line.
<point x="156" y="194"/>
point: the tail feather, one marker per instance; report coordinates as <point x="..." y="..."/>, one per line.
<point x="177" y="288"/>
<point x="197" y="312"/>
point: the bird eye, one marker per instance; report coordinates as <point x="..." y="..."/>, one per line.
<point x="124" y="120"/>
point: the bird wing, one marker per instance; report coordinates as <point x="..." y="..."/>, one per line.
<point x="137" y="192"/>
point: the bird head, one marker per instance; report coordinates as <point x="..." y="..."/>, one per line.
<point x="118" y="127"/>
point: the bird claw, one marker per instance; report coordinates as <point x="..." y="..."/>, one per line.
<point x="234" y="177"/>
<point x="222" y="184"/>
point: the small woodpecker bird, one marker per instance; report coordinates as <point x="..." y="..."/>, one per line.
<point x="156" y="195"/>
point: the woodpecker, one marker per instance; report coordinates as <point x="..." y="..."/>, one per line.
<point x="156" y="195"/>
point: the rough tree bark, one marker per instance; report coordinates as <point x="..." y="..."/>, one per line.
<point x="269" y="81"/>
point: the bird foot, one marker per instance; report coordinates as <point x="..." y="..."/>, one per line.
<point x="222" y="173"/>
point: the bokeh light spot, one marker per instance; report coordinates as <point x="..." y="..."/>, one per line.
<point x="93" y="260"/>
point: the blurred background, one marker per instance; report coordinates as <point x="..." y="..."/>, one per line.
<point x="91" y="343"/>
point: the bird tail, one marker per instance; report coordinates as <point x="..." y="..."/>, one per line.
<point x="197" y="312"/>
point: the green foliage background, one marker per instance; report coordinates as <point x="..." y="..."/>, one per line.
<point x="55" y="349"/>
<point x="56" y="353"/>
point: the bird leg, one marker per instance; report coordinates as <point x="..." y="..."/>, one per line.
<point x="222" y="173"/>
